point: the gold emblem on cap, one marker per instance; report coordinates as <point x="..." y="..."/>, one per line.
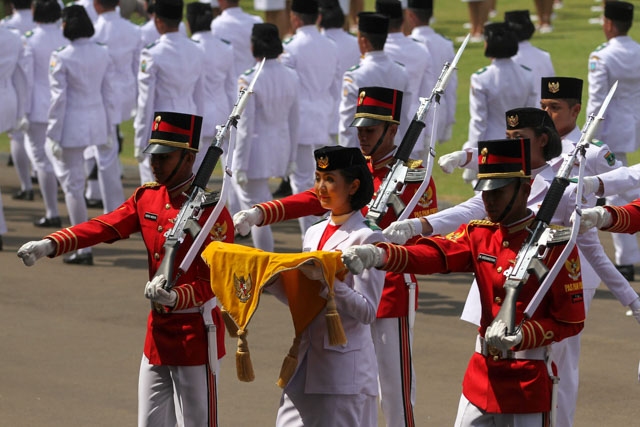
<point x="554" y="87"/>
<point x="513" y="121"/>
<point x="483" y="154"/>
<point x="156" y="122"/>
<point x="323" y="162"/>
<point x="361" y="97"/>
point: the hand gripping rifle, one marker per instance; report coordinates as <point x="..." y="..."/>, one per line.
<point x="542" y="237"/>
<point x="400" y="174"/>
<point x="198" y="199"/>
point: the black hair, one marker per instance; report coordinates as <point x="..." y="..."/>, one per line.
<point x="108" y="4"/>
<point x="307" y="18"/>
<point x="364" y="193"/>
<point x="21" y="4"/>
<point x="200" y="22"/>
<point x="377" y="40"/>
<point x="423" y="15"/>
<point x="522" y="30"/>
<point x="571" y="102"/>
<point x="46" y="11"/>
<point x="171" y="23"/>
<point x="622" y="27"/>
<point x="77" y="23"/>
<point x="395" y="23"/>
<point x="554" y="143"/>
<point x="331" y="18"/>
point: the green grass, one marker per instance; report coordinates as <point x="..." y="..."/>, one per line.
<point x="570" y="44"/>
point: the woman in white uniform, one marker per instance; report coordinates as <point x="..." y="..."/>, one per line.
<point x="337" y="386"/>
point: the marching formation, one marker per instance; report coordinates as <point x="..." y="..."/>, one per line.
<point x="347" y="120"/>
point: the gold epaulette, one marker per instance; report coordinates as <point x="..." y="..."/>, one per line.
<point x="413" y="164"/>
<point x="151" y="184"/>
<point x="483" y="222"/>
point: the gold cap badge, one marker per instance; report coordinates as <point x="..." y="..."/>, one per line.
<point x="323" y="162"/>
<point x="156" y="122"/>
<point x="361" y="97"/>
<point x="554" y="87"/>
<point x="513" y="121"/>
<point x="483" y="154"/>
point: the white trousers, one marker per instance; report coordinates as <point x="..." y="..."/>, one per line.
<point x="106" y="157"/>
<point x="254" y="192"/>
<point x="35" y="140"/>
<point x="185" y="396"/>
<point x="303" y="179"/>
<point x="469" y="415"/>
<point x="144" y="167"/>
<point x="625" y="245"/>
<point x="20" y="156"/>
<point x="392" y="340"/>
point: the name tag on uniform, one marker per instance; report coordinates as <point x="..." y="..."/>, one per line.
<point x="306" y="249"/>
<point x="152" y="217"/>
<point x="487" y="258"/>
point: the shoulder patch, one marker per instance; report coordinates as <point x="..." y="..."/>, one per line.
<point x="415" y="40"/>
<point x="597" y="142"/>
<point x="152" y="44"/>
<point x="372" y="225"/>
<point x="399" y="63"/>
<point x="28" y="34"/>
<point x="602" y="46"/>
<point x="61" y="48"/>
<point x="481" y="70"/>
<point x="101" y="44"/>
<point x="412" y="164"/>
<point x="287" y="40"/>
<point x="482" y="223"/>
<point x="355" y="67"/>
<point x="195" y="41"/>
<point x="225" y="41"/>
<point x="610" y="158"/>
<point x="249" y="71"/>
<point x="525" y="67"/>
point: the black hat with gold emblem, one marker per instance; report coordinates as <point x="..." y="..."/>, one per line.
<point x="169" y="9"/>
<point x="528" y="117"/>
<point x="520" y="23"/>
<point x="618" y="11"/>
<point x="265" y="41"/>
<point x="561" y="88"/>
<point x="501" y="161"/>
<point x="420" y="4"/>
<point x="307" y="7"/>
<point x="373" y="23"/>
<point x="377" y="105"/>
<point x="336" y="157"/>
<point x="174" y="131"/>
<point x="501" y="41"/>
<point x="390" y="8"/>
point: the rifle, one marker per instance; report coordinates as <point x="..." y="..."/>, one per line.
<point x="400" y="174"/>
<point x="542" y="237"/>
<point x="198" y="199"/>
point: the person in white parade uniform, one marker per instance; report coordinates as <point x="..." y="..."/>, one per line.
<point x="375" y="69"/>
<point x="148" y="31"/>
<point x="313" y="57"/>
<point x="45" y="38"/>
<point x="537" y="60"/>
<point x="163" y="84"/>
<point x="220" y="76"/>
<point x="336" y="386"/>
<point x="418" y="15"/>
<point x="267" y="137"/>
<point x="618" y="60"/>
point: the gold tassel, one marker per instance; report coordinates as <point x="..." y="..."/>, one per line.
<point x="229" y="323"/>
<point x="243" y="358"/>
<point x="334" y="325"/>
<point x="289" y="364"/>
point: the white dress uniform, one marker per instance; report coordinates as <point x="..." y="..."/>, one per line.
<point x="163" y="85"/>
<point x="537" y="60"/>
<point x="149" y="33"/>
<point x="40" y="44"/>
<point x="235" y="25"/>
<point x="83" y="108"/>
<point x="265" y="5"/>
<point x="313" y="58"/>
<point x="418" y="62"/>
<point x="618" y="59"/>
<point x="267" y="137"/>
<point x="441" y="49"/>
<point x="375" y="69"/>
<point x="348" y="55"/>
<point x="337" y="386"/>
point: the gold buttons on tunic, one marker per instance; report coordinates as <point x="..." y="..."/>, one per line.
<point x="156" y="256"/>
<point x="497" y="300"/>
<point x="167" y="206"/>
<point x="499" y="269"/>
<point x="159" y="228"/>
<point x="505" y="244"/>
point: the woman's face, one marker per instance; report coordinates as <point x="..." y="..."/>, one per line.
<point x="333" y="191"/>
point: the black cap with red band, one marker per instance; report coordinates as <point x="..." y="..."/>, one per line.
<point x="377" y="105"/>
<point x="500" y="161"/>
<point x="174" y="131"/>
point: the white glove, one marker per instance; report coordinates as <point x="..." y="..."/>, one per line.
<point x="363" y="257"/>
<point x="55" y="148"/>
<point x="32" y="251"/>
<point x="449" y="162"/>
<point x="590" y="185"/>
<point x="496" y="336"/>
<point x="597" y="217"/>
<point x="401" y="231"/>
<point x="241" y="178"/>
<point x="635" y="309"/>
<point x="291" y="169"/>
<point x="22" y="124"/>
<point x="138" y="154"/>
<point x="244" y="220"/>
<point x="155" y="292"/>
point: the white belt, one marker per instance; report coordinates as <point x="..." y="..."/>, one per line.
<point x="532" y="354"/>
<point x="209" y="305"/>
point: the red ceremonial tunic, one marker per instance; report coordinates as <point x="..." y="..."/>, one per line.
<point x="172" y="339"/>
<point x="395" y="295"/>
<point x="489" y="251"/>
<point x="626" y="219"/>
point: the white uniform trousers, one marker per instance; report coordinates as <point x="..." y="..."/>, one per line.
<point x="469" y="415"/>
<point x="254" y="192"/>
<point x="92" y="190"/>
<point x="303" y="179"/>
<point x="184" y="396"/>
<point x="392" y="340"/>
<point x="625" y="245"/>
<point x="70" y="173"/>
<point x="35" y="140"/>
<point x="106" y="156"/>
<point x="20" y="157"/>
<point x="300" y="409"/>
<point x="144" y="167"/>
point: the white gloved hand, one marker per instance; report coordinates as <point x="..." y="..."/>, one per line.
<point x="32" y="251"/>
<point x="138" y="154"/>
<point x="590" y="185"/>
<point x="363" y="257"/>
<point x="597" y="217"/>
<point x="154" y="290"/>
<point x="292" y="167"/>
<point x="22" y="125"/>
<point x="241" y="178"/>
<point x="635" y="309"/>
<point x="244" y="220"/>
<point x="496" y="336"/>
<point x="55" y="148"/>
<point x="401" y="231"/>
<point x="451" y="161"/>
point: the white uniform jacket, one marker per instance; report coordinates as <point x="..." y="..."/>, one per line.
<point x="441" y="50"/>
<point x="219" y="81"/>
<point x="14" y="88"/>
<point x="496" y="89"/>
<point x="352" y="368"/>
<point x="348" y="53"/>
<point x="83" y="102"/>
<point x="235" y="25"/>
<point x="91" y="10"/>
<point x="375" y="69"/>
<point x="599" y="157"/>
<point x="40" y="44"/>
<point x="163" y="84"/>
<point x="124" y="44"/>
<point x="621" y="180"/>
<point x="266" y="140"/>
<point x="149" y="33"/>
<point x="418" y="63"/>
<point x="618" y="59"/>
<point x="21" y="20"/>
<point x="314" y="59"/>
<point x="537" y="60"/>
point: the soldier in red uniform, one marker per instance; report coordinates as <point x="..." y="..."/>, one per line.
<point x="508" y="380"/>
<point x="377" y="118"/>
<point x="177" y="381"/>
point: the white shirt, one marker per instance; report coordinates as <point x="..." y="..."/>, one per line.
<point x="149" y="33"/>
<point x="21" y="19"/>
<point x="13" y="79"/>
<point x="235" y="25"/>
<point x="537" y="60"/>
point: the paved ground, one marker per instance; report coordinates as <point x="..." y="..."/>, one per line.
<point x="71" y="339"/>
